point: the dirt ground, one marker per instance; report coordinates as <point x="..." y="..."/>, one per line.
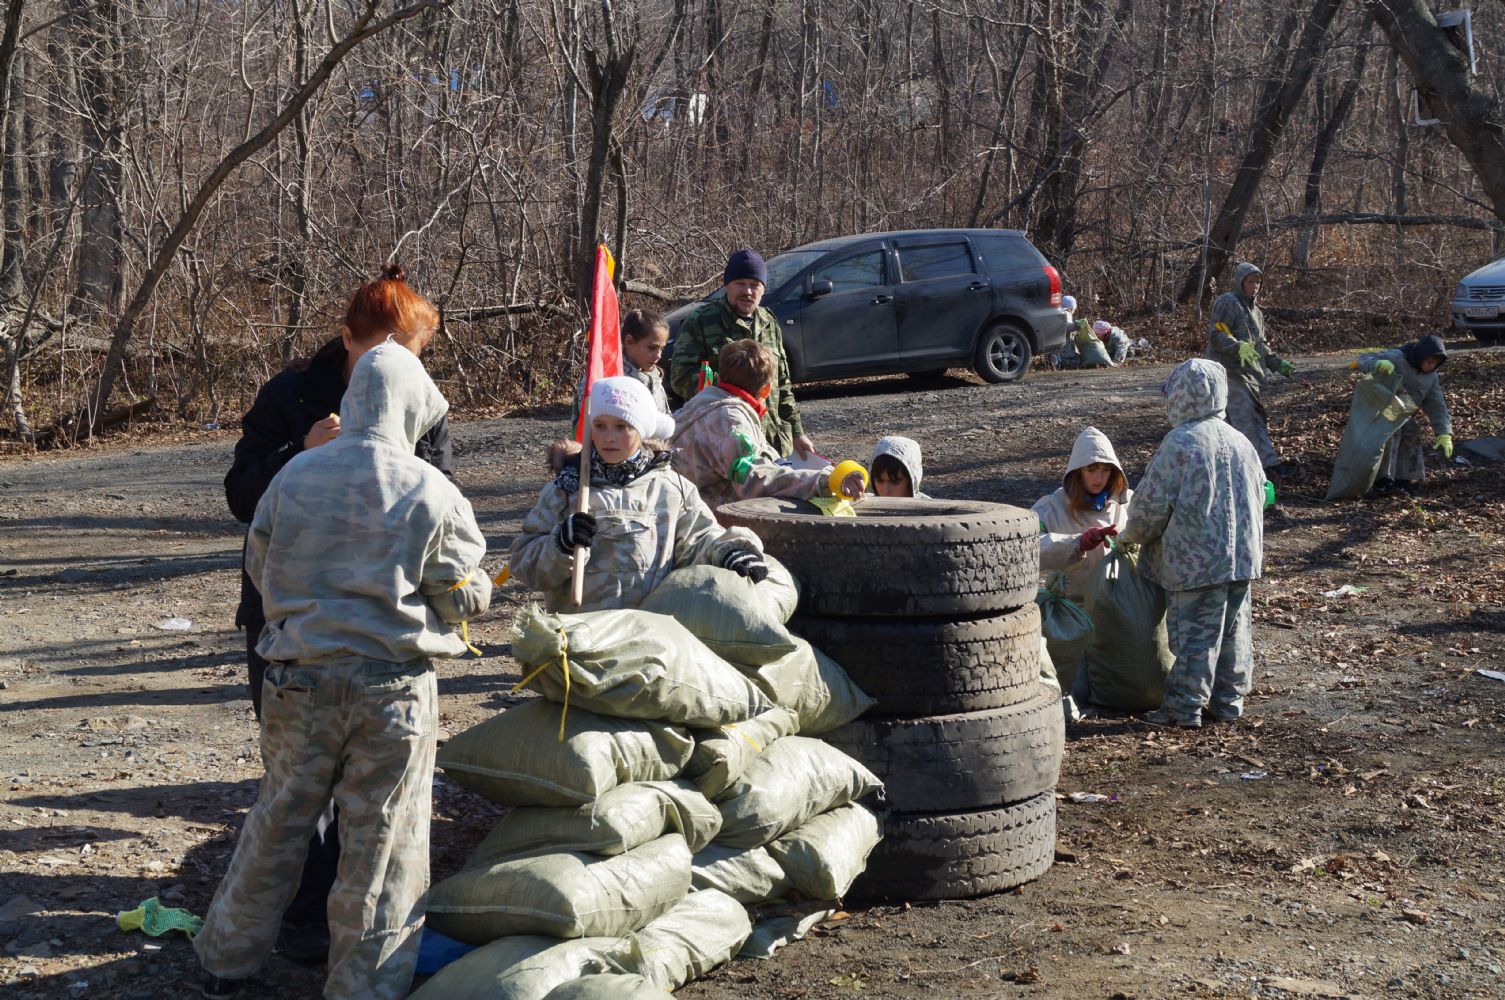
<point x="1344" y="840"/>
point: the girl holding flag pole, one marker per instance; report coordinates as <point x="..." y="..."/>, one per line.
<point x="606" y="533"/>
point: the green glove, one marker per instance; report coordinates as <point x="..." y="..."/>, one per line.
<point x="1248" y="354"/>
<point x="1384" y="367"/>
<point x="1444" y="444"/>
<point x="1287" y="369"/>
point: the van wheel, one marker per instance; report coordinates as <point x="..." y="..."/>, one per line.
<point x="1003" y="353"/>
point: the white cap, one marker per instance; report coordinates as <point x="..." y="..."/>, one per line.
<point x="628" y="399"/>
<point x="1068" y="303"/>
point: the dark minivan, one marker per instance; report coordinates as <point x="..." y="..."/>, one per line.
<point x="919" y="301"/>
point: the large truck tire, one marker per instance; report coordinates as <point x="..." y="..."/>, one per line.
<point x="906" y="557"/>
<point x="960" y="855"/>
<point x="958" y="763"/>
<point x="929" y="667"/>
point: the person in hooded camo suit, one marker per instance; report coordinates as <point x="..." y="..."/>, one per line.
<point x="1403" y="465"/>
<point x="1236" y="339"/>
<point x="1198" y="512"/>
<point x="645" y="519"/>
<point x="897" y="467"/>
<point x="364" y="555"/>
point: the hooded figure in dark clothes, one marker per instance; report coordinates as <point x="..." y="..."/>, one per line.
<point x="1415" y="365"/>
<point x="297" y="411"/>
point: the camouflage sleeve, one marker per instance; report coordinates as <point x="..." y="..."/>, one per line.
<point x="689" y="346"/>
<point x="699" y="540"/>
<point x="1436" y="408"/>
<point x="454" y="584"/>
<point x="1222" y="345"/>
<point x="1154" y="501"/>
<point x="760" y="475"/>
<point x="787" y="410"/>
<point x="535" y="560"/>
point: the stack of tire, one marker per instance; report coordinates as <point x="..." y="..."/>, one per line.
<point x="930" y="606"/>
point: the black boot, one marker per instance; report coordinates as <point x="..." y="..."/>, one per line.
<point x="1409" y="487"/>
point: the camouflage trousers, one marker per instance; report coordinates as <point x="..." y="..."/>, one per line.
<point x="1404" y="457"/>
<point x="1247" y="415"/>
<point x="363" y="732"/>
<point x="1210" y="638"/>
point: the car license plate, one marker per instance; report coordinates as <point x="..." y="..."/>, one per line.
<point x="1481" y="312"/>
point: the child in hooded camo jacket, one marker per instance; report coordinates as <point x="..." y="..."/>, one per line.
<point x="1199" y="513"/>
<point x="645" y="519"/>
<point x="1403" y="464"/>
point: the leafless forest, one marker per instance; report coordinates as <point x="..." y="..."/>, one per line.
<point x="191" y="189"/>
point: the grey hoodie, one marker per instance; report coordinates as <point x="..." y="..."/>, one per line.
<point x="907" y="452"/>
<point x="358" y="547"/>
<point x="1061" y="527"/>
<point x="1246" y="323"/>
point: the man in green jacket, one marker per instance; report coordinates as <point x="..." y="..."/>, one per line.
<point x="738" y="315"/>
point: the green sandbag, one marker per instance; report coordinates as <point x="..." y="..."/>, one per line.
<point x="721" y="755"/>
<point x="609" y="986"/>
<point x="1378" y="410"/>
<point x="522" y="967"/>
<point x="623" y="818"/>
<point x="634" y="665"/>
<point x="516" y="758"/>
<point x="566" y="895"/>
<point x="814" y="686"/>
<point x="738" y="619"/>
<point x="1068" y="633"/>
<point x="1130" y="653"/>
<point x="749" y="875"/>
<point x="825" y="855"/>
<point x="794" y="779"/>
<point x="704" y="930"/>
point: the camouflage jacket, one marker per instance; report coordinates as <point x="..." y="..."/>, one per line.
<point x="653" y="525"/>
<point x="361" y="548"/>
<point x="701" y="337"/>
<point x="1424" y="388"/>
<point x="719" y="446"/>
<point x="1199" y="510"/>
<point x="1246" y="324"/>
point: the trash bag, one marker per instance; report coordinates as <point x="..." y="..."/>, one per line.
<point x="815" y="686"/>
<point x="794" y="779"/>
<point x="739" y="620"/>
<point x="566" y="895"/>
<point x="721" y="755"/>
<point x="609" y="986"/>
<point x="521" y="967"/>
<point x="825" y="855"/>
<point x="516" y="758"/>
<point x="704" y="930"/>
<point x="633" y="665"/>
<point x="1378" y="410"/>
<point x="1130" y="653"/>
<point x="749" y="875"/>
<point x="623" y="818"/>
<point x="1068" y="633"/>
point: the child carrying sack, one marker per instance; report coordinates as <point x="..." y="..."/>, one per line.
<point x="1068" y="633"/>
<point x="1130" y="654"/>
<point x="1378" y="410"/>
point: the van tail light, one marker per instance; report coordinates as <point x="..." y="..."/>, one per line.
<point x="1054" y="277"/>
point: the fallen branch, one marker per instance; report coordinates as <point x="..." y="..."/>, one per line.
<point x="72" y="430"/>
<point x="475" y="313"/>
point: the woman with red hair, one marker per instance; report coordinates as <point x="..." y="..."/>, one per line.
<point x="298" y="410"/>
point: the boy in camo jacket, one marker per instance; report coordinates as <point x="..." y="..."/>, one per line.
<point x="719" y="443"/>
<point x="364" y="555"/>
<point x="1199" y="513"/>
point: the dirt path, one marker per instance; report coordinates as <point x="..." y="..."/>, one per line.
<point x="1366" y="860"/>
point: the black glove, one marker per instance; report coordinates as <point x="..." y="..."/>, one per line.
<point x="576" y="530"/>
<point x="745" y="562"/>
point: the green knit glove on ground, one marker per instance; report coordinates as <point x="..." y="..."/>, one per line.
<point x="1444" y="444"/>
<point x="1248" y="354"/>
<point x="1384" y="367"/>
<point x="1287" y="369"/>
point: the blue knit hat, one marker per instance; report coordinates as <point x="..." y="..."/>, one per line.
<point x="745" y="264"/>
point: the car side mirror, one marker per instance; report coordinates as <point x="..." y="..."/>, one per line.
<point x="821" y="286"/>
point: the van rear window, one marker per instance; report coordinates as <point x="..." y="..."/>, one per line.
<point x="1005" y="253"/>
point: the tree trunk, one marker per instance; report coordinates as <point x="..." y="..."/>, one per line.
<point x="1312" y="199"/>
<point x="101" y="240"/>
<point x="608" y="79"/>
<point x="13" y="191"/>
<point x="1281" y="97"/>
<point x="1472" y="119"/>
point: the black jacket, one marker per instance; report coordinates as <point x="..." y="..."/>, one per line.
<point x="273" y="431"/>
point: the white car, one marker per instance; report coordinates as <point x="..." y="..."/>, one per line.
<point x="1479" y="303"/>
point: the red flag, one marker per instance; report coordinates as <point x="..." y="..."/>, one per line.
<point x="604" y="357"/>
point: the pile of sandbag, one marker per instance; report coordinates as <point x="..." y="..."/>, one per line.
<point x="666" y="785"/>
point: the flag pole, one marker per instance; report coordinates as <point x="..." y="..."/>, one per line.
<point x="582" y="503"/>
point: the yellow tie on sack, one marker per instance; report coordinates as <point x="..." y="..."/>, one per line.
<point x="564" y="663"/>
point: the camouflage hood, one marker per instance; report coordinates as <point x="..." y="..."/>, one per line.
<point x="1240" y="274"/>
<point x="391" y="398"/>
<point x="1197" y="389"/>
<point x="905" y="451"/>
